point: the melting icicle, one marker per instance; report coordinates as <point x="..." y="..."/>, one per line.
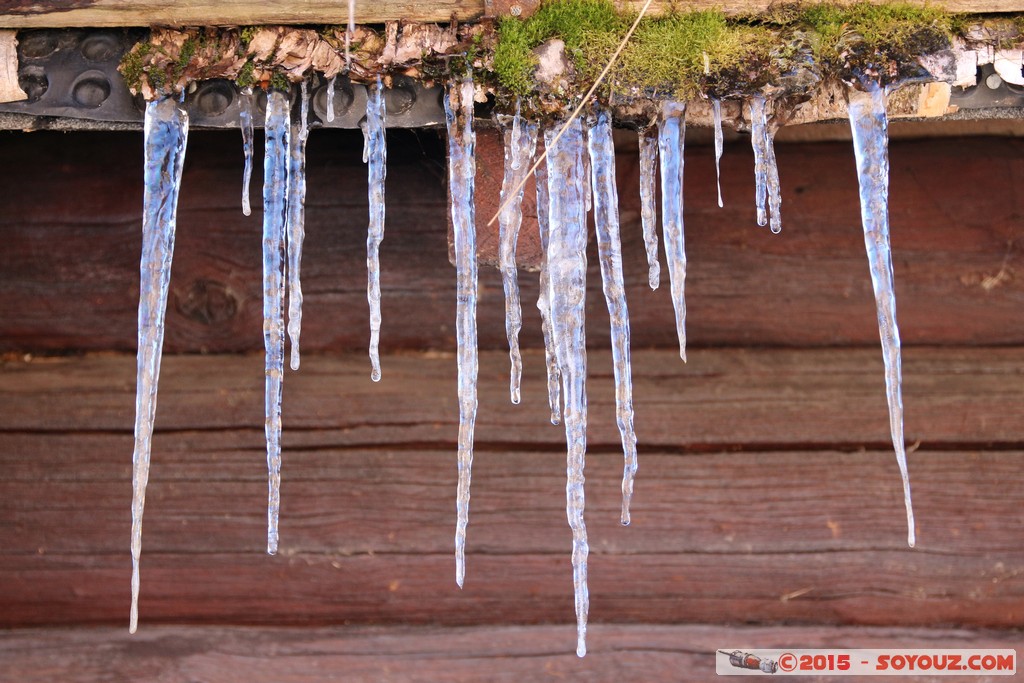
<point x="348" y="34"/>
<point x="330" y="98"/>
<point x="648" y="205"/>
<point x="567" y="272"/>
<point x="719" y="143"/>
<point x="609" y="249"/>
<point x="245" y="123"/>
<point x="166" y="131"/>
<point x="520" y="144"/>
<point x="461" y="177"/>
<point x="869" y="124"/>
<point x="275" y="218"/>
<point x="544" y="298"/>
<point x="671" y="134"/>
<point x="296" y="221"/>
<point x="766" y="171"/>
<point x="375" y="146"/>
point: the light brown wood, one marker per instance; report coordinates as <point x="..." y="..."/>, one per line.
<point x="99" y="13"/>
<point x="616" y="653"/>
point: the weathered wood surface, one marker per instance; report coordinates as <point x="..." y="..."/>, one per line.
<point x="70" y="226"/>
<point x="535" y="653"/>
<point x="766" y="492"/>
<point x="58" y="13"/>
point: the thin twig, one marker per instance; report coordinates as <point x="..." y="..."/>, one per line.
<point x="575" y="114"/>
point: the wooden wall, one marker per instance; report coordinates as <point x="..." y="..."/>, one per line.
<point x="767" y="509"/>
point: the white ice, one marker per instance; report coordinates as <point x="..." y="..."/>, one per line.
<point x="245" y="123"/>
<point x="296" y="230"/>
<point x="375" y="156"/>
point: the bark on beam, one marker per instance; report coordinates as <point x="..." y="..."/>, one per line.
<point x="101" y="13"/>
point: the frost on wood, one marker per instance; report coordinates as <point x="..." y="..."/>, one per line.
<point x="375" y="158"/>
<point x="166" y="131"/>
<point x="458" y="104"/>
<point x="869" y="125"/>
<point x="567" y="277"/>
<point x="275" y="219"/>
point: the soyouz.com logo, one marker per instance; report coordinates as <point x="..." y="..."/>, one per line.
<point x="755" y="662"/>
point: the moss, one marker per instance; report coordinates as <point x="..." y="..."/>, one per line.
<point x="246" y="34"/>
<point x="279" y="82"/>
<point x="246" y="78"/>
<point x="132" y="65"/>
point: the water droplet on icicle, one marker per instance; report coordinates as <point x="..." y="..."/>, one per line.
<point x="648" y="204"/>
<point x="275" y="218"/>
<point x="609" y="249"/>
<point x="671" y="140"/>
<point x="544" y="298"/>
<point x="296" y="221"/>
<point x="458" y="104"/>
<point x="375" y="146"/>
<point x="520" y="144"/>
<point x="245" y="123"/>
<point x="869" y="124"/>
<point x="166" y="132"/>
<point x="719" y="144"/>
<point x="567" y="269"/>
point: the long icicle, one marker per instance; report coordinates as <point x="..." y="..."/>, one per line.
<point x="544" y="299"/>
<point x="275" y="218"/>
<point x="567" y="264"/>
<point x="648" y="204"/>
<point x="166" y="133"/>
<point x="869" y="124"/>
<point x="758" y="141"/>
<point x="716" y="105"/>
<point x="520" y="145"/>
<point x="296" y="221"/>
<point x="376" y="166"/>
<point x="461" y="177"/>
<point x="245" y="123"/>
<point x="671" y="140"/>
<point x="609" y="249"/>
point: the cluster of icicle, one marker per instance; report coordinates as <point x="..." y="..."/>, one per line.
<point x="574" y="175"/>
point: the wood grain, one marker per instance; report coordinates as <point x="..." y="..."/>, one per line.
<point x="502" y="654"/>
<point x="60" y="13"/>
<point x="763" y="475"/>
<point x="70" y="225"/>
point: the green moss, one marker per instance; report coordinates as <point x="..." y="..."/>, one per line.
<point x="133" y="65"/>
<point x="279" y="82"/>
<point x="246" y="34"/>
<point x="889" y="28"/>
<point x="245" y="78"/>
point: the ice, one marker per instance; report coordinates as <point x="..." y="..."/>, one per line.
<point x="330" y="99"/>
<point x="166" y="132"/>
<point x="520" y="144"/>
<point x="869" y="124"/>
<point x="458" y="104"/>
<point x="275" y="218"/>
<point x="375" y="145"/>
<point x="350" y="29"/>
<point x="567" y="273"/>
<point x="671" y="134"/>
<point x="609" y="249"/>
<point x="296" y="221"/>
<point x="716" y="105"/>
<point x="245" y="123"/>
<point x="544" y="299"/>
<point x="648" y="204"/>
<point x="766" y="171"/>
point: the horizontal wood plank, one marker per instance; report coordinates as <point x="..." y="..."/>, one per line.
<point x="505" y="654"/>
<point x="54" y="14"/>
<point x="70" y="225"/>
<point x="764" y="474"/>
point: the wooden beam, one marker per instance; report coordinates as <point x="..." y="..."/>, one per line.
<point x="70" y="223"/>
<point x="762" y="474"/>
<point x="458" y="655"/>
<point x="100" y="13"/>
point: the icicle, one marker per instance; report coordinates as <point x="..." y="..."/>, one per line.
<point x="330" y="98"/>
<point x="648" y="204"/>
<point x="567" y="271"/>
<point x="275" y="215"/>
<point x="461" y="175"/>
<point x="245" y="123"/>
<point x="671" y="134"/>
<point x="296" y="221"/>
<point x="766" y="171"/>
<point x="544" y="298"/>
<point x="869" y="124"/>
<point x="166" y="132"/>
<point x="719" y="144"/>
<point x="348" y="34"/>
<point x="520" y="144"/>
<point x="375" y="145"/>
<point x="609" y="249"/>
<point x="588" y="197"/>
